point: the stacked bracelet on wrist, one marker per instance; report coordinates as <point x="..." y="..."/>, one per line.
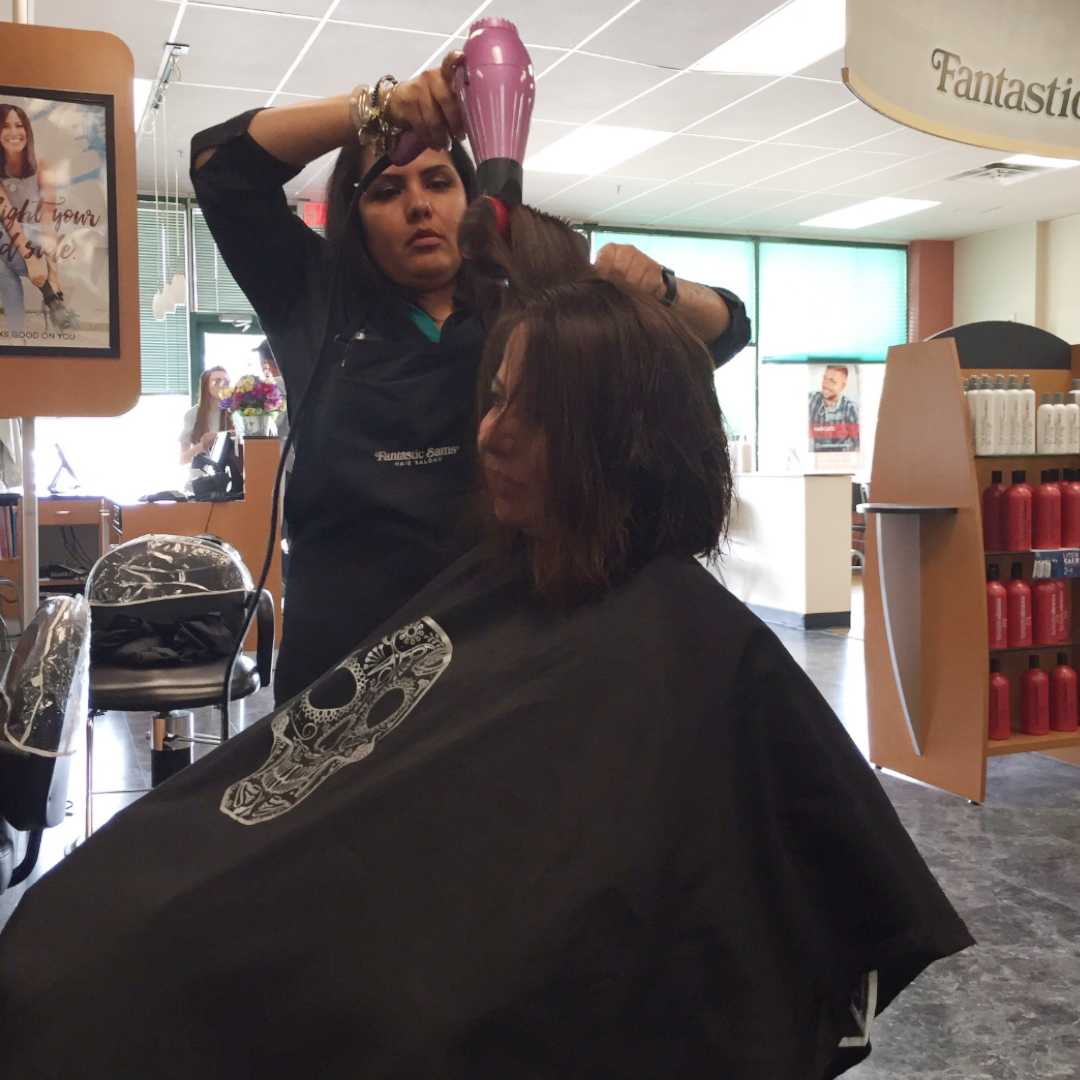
<point x="368" y="107"/>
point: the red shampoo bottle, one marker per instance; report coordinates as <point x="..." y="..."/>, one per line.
<point x="1018" y="609"/>
<point x="1035" y="700"/>
<point x="1062" y="696"/>
<point x="1070" y="510"/>
<point x="1017" y="513"/>
<point x="1046" y="513"/>
<point x="993" y="512"/>
<point x="1000" y="723"/>
<point x="997" y="618"/>
<point x="1045" y="599"/>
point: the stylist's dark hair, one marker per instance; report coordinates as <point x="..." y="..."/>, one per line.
<point x="638" y="462"/>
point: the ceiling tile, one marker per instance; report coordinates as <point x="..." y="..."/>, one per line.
<point x="188" y="107"/>
<point x="788" y="215"/>
<point x="837" y="168"/>
<point x="442" y="17"/>
<point x="561" y="23"/>
<point x="270" y="44"/>
<point x="686" y="99"/>
<point x="676" y="156"/>
<point x="586" y="200"/>
<point x="313" y="9"/>
<point x="849" y="127"/>
<point x="648" y="32"/>
<point x="340" y="52"/>
<point x="905" y="140"/>
<point x="827" y="68"/>
<point x="903" y="175"/>
<point x="172" y="158"/>
<point x="143" y="25"/>
<point x="785" y="104"/>
<point x="585" y="87"/>
<point x="728" y="207"/>
<point x="669" y="199"/>
<point x="757" y="164"/>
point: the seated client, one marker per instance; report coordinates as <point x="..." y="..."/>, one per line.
<point x="574" y="812"/>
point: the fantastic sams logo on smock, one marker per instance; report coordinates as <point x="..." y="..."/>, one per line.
<point x="1054" y="97"/>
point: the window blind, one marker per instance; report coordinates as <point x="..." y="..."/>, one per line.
<point x="215" y="288"/>
<point x="164" y="344"/>
<point x="821" y="302"/>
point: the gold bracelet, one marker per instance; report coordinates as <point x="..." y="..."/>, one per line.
<point x="360" y="110"/>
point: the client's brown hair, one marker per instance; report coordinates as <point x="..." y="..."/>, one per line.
<point x="638" y="462"/>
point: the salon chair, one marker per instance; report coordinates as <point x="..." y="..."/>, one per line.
<point x="194" y="592"/>
<point x="42" y="703"/>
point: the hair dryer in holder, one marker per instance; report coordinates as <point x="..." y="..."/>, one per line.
<point x="496" y="90"/>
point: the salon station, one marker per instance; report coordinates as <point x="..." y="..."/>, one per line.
<point x="307" y="519"/>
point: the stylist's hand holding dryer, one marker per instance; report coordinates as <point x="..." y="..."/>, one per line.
<point x="394" y="323"/>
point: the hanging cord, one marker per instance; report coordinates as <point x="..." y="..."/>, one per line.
<point x="319" y="371"/>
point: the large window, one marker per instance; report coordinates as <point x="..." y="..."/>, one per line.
<point x="215" y="288"/>
<point x="163" y="245"/>
<point x="821" y="302"/>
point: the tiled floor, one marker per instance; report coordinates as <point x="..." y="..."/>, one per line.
<point x="1008" y="1009"/>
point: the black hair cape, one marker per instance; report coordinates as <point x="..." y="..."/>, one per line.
<point x="496" y="841"/>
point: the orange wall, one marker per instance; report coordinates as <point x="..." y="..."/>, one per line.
<point x="930" y="288"/>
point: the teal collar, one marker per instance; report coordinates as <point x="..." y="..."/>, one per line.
<point x="425" y="323"/>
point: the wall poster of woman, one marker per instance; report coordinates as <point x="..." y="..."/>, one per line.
<point x="58" y="266"/>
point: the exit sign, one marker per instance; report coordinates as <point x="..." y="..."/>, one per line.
<point x="315" y="214"/>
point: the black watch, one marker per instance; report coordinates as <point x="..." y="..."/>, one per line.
<point x="672" y="294"/>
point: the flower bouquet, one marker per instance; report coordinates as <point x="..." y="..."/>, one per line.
<point x="254" y="402"/>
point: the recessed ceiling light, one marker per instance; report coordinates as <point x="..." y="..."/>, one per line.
<point x="1041" y="162"/>
<point x="869" y="213"/>
<point x="797" y="35"/>
<point x="141" y="89"/>
<point x="594" y="148"/>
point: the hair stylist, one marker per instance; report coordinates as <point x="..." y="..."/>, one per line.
<point x="385" y="462"/>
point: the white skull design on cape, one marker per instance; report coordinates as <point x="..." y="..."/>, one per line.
<point x="339" y="719"/>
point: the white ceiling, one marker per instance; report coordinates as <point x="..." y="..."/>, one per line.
<point x="751" y="154"/>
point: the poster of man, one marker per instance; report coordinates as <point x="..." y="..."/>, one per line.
<point x="834" y="408"/>
<point x="58" y="274"/>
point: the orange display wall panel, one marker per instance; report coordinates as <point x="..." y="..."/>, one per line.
<point x="927" y="647"/>
<point x="82" y="369"/>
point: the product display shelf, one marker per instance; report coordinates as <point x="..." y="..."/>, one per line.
<point x="927" y="650"/>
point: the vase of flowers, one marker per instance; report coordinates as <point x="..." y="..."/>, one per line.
<point x="254" y="402"/>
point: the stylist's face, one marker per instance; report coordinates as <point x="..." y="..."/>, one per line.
<point x="513" y="449"/>
<point x="411" y="216"/>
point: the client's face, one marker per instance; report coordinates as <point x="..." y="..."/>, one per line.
<point x="513" y="449"/>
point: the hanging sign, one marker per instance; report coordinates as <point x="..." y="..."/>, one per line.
<point x="1004" y="74"/>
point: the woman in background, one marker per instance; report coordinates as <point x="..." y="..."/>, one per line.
<point x="205" y="418"/>
<point x="573" y="812"/>
<point x="27" y="227"/>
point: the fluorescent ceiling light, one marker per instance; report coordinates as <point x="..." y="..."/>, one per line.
<point x="1041" y="162"/>
<point x="141" y="89"/>
<point x="869" y="213"/>
<point x="796" y="36"/>
<point x="595" y="148"/>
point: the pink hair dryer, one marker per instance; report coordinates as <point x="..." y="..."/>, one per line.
<point x="496" y="90"/>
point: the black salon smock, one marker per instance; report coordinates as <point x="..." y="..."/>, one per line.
<point x="386" y="460"/>
<point x="501" y="842"/>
